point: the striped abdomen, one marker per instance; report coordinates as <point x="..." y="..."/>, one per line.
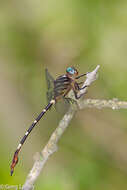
<point x="15" y="157"/>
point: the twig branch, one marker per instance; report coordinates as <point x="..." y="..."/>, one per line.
<point x="96" y="103"/>
<point x="51" y="146"/>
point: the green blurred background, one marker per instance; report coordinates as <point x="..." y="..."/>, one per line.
<point x="53" y="34"/>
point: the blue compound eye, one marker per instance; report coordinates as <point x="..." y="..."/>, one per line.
<point x="70" y="70"/>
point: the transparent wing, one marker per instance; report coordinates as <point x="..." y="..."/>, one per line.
<point x="50" y="85"/>
<point x="62" y="105"/>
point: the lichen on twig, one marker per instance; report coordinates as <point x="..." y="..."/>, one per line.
<point x="97" y="103"/>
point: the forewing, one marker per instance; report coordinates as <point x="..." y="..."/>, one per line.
<point x="50" y="85"/>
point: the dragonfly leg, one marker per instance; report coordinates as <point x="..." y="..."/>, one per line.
<point x="70" y="100"/>
<point x="77" y="87"/>
<point x="83" y="87"/>
<point x="76" y="94"/>
<point x="79" y="83"/>
<point x="81" y="76"/>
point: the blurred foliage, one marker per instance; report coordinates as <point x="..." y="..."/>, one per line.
<point x="35" y="35"/>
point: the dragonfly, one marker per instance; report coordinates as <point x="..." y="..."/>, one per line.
<point x="61" y="87"/>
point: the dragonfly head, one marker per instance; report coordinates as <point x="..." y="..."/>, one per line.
<point x="72" y="72"/>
